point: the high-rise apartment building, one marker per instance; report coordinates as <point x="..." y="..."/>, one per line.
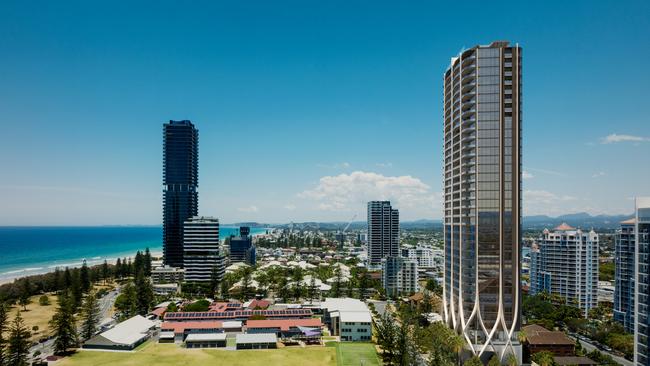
<point x="399" y="275"/>
<point x="202" y="257"/>
<point x="241" y="247"/>
<point x="642" y="283"/>
<point x="180" y="182"/>
<point x="482" y="187"/>
<point x="383" y="232"/>
<point x="564" y="262"/>
<point x="624" y="247"/>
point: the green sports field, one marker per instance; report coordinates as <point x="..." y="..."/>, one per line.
<point x="355" y="354"/>
<point x="155" y="354"/>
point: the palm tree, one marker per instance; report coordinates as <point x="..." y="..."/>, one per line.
<point x="457" y="344"/>
<point x="511" y="360"/>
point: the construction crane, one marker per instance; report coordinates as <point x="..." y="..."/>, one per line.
<point x="341" y="234"/>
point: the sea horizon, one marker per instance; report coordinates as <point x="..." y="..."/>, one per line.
<point x="33" y="250"/>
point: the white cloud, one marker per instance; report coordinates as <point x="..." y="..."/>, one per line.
<point x="343" y="165"/>
<point x="526" y="175"/>
<point x="614" y="138"/>
<point x="351" y="192"/>
<point x="544" y="171"/>
<point x="598" y="175"/>
<point x="249" y="209"/>
<point x="290" y="207"/>
<point x="385" y="165"/>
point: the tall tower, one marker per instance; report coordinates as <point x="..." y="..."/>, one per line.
<point x="180" y="182"/>
<point x="482" y="185"/>
<point x="202" y="256"/>
<point x="383" y="232"/>
<point x="624" y="248"/>
<point x="642" y="283"/>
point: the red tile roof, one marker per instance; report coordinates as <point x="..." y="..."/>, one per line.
<point x="159" y="312"/>
<point x="564" y="227"/>
<point x="262" y="304"/>
<point x="180" y="327"/>
<point x="283" y="324"/>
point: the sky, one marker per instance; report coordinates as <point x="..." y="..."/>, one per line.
<point x="306" y="109"/>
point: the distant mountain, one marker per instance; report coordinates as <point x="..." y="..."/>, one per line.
<point x="580" y="220"/>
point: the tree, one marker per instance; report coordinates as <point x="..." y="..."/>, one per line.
<point x="18" y="342"/>
<point x="214" y="281"/>
<point x="118" y="268"/>
<point x="543" y="358"/>
<point x="25" y="292"/>
<point x="494" y="361"/>
<point x="44" y="300"/>
<point x="3" y="328"/>
<point x="67" y="279"/>
<point x="76" y="290"/>
<point x="144" y="292"/>
<point x="363" y="283"/>
<point x="84" y="278"/>
<point x="147" y="262"/>
<point x="338" y="279"/>
<point x="90" y="314"/>
<point x="386" y="332"/>
<point x="125" y="303"/>
<point x="457" y="344"/>
<point x="105" y="271"/>
<point x="246" y="284"/>
<point x="475" y="361"/>
<point x="64" y="325"/>
<point x="297" y="278"/>
<point x="312" y="289"/>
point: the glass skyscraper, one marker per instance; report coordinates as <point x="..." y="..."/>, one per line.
<point x="180" y="183"/>
<point x="482" y="187"/>
<point x="383" y="232"/>
<point x="642" y="283"/>
<point x="624" y="274"/>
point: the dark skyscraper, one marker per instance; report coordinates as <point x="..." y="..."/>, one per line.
<point x="383" y="232"/>
<point x="482" y="176"/>
<point x="180" y="182"/>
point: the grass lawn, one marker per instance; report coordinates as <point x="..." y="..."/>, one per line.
<point x="36" y="315"/>
<point x="155" y="354"/>
<point x="355" y="354"/>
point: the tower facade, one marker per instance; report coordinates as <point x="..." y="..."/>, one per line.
<point x="180" y="183"/>
<point x="624" y="247"/>
<point x="642" y="283"/>
<point x="564" y="262"/>
<point x="202" y="257"/>
<point x="482" y="187"/>
<point x="383" y="232"/>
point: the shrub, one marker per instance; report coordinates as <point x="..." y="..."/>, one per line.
<point x="44" y="300"/>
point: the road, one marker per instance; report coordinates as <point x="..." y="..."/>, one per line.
<point x="105" y="306"/>
<point x="590" y="347"/>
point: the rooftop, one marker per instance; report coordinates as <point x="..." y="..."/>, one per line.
<point x="180" y="327"/>
<point x="194" y="337"/>
<point x="564" y="227"/>
<point x="284" y="324"/>
<point x="129" y="331"/>
<point x="256" y="338"/>
<point x="540" y="336"/>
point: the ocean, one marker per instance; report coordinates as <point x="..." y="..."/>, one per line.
<point x="33" y="250"/>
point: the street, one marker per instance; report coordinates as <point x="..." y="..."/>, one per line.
<point x="590" y="347"/>
<point x="105" y="306"/>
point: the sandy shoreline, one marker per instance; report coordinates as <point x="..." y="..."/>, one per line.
<point x="14" y="275"/>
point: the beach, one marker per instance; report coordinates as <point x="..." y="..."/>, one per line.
<point x="29" y="251"/>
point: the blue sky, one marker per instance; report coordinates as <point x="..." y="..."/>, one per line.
<point x="306" y="109"/>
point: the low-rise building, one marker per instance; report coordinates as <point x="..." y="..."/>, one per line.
<point x="125" y="336"/>
<point x="256" y="341"/>
<point x="167" y="274"/>
<point x="282" y="328"/>
<point x="182" y="329"/>
<point x="540" y="339"/>
<point x="205" y="340"/>
<point x="164" y="289"/>
<point x="348" y="318"/>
